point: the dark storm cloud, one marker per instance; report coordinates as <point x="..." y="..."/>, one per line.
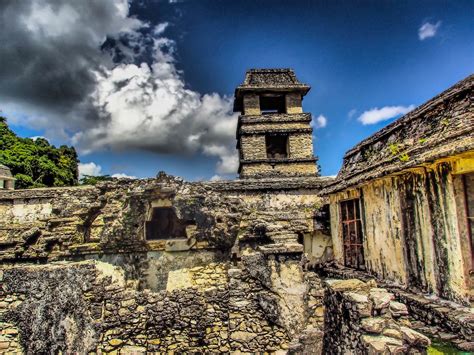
<point x="49" y="49"/>
<point x="77" y="69"/>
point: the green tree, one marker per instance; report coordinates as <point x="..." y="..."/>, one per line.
<point x="92" y="180"/>
<point x="36" y="163"/>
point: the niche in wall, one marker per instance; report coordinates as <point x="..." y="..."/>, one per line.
<point x="163" y="223"/>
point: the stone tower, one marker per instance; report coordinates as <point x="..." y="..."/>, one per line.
<point x="274" y="136"/>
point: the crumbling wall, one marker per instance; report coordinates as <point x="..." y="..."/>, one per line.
<point x="363" y="319"/>
<point x="81" y="307"/>
<point x="65" y="222"/>
<point x="89" y="307"/>
<point x="235" y="281"/>
<point x="411" y="231"/>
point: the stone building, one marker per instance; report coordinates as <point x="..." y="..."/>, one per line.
<point x="274" y="136"/>
<point x="7" y="181"/>
<point x="167" y="266"/>
<point x="402" y="206"/>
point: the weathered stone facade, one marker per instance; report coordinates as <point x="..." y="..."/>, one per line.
<point x="236" y="282"/>
<point x="361" y="318"/>
<point x="249" y="266"/>
<point x="410" y="182"/>
<point x="274" y="136"/>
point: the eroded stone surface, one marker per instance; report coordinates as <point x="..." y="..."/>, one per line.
<point x="355" y="321"/>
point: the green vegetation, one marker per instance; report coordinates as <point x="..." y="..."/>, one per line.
<point x="403" y="157"/>
<point x="394" y="149"/>
<point x="438" y="347"/>
<point x="92" y="180"/>
<point x="36" y="163"/>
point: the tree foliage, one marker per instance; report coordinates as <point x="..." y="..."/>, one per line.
<point x="36" y="163"/>
<point x="93" y="179"/>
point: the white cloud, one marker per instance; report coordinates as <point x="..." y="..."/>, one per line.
<point x="319" y="122"/>
<point x="37" y="137"/>
<point x="216" y="178"/>
<point x="376" y="115"/>
<point x="91" y="169"/>
<point x="129" y="105"/>
<point x="148" y="107"/>
<point x="428" y="30"/>
<point x="351" y="113"/>
<point x="123" y="176"/>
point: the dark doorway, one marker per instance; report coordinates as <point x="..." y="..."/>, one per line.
<point x="352" y="234"/>
<point x="468" y="181"/>
<point x="277" y="146"/>
<point x="164" y="224"/>
<point x="272" y="104"/>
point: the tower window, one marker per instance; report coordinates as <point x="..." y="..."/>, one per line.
<point x="277" y="146"/>
<point x="272" y="104"/>
<point x="164" y="224"/>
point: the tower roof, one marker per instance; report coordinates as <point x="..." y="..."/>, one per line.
<point x="258" y="80"/>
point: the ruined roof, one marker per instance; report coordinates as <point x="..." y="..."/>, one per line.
<point x="5" y="172"/>
<point x="258" y="80"/>
<point x="441" y="127"/>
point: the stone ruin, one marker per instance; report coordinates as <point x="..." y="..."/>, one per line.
<point x="243" y="266"/>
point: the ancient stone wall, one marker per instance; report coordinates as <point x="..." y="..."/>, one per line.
<point x="260" y="304"/>
<point x="234" y="281"/>
<point x="293" y="103"/>
<point x="251" y="104"/>
<point x="442" y="320"/>
<point x="301" y="146"/>
<point x="419" y="216"/>
<point x="253" y="147"/>
<point x="296" y="168"/>
<point x="363" y="319"/>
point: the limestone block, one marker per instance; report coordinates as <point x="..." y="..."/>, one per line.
<point x="374" y="325"/>
<point x="242" y="336"/>
<point x="379" y="344"/>
<point x="301" y="145"/>
<point x="398" y="309"/>
<point x="346" y="285"/>
<point x="381" y="298"/>
<point x="413" y="337"/>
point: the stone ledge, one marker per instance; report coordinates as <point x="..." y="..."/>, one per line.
<point x="451" y="317"/>
<point x="275" y="117"/>
<point x="266" y="130"/>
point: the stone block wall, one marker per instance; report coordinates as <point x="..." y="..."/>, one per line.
<point x="293" y="102"/>
<point x="251" y="104"/>
<point x="263" y="169"/>
<point x="237" y="283"/>
<point x="82" y="307"/>
<point x="421" y="215"/>
<point x="253" y="147"/>
<point x="363" y="319"/>
<point x="301" y="145"/>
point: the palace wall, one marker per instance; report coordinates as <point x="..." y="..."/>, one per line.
<point x="79" y="274"/>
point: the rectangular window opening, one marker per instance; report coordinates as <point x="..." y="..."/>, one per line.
<point x="352" y="234"/>
<point x="164" y="224"/>
<point x="277" y="146"/>
<point x="272" y="104"/>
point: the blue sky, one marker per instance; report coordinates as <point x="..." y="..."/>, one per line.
<point x="356" y="55"/>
